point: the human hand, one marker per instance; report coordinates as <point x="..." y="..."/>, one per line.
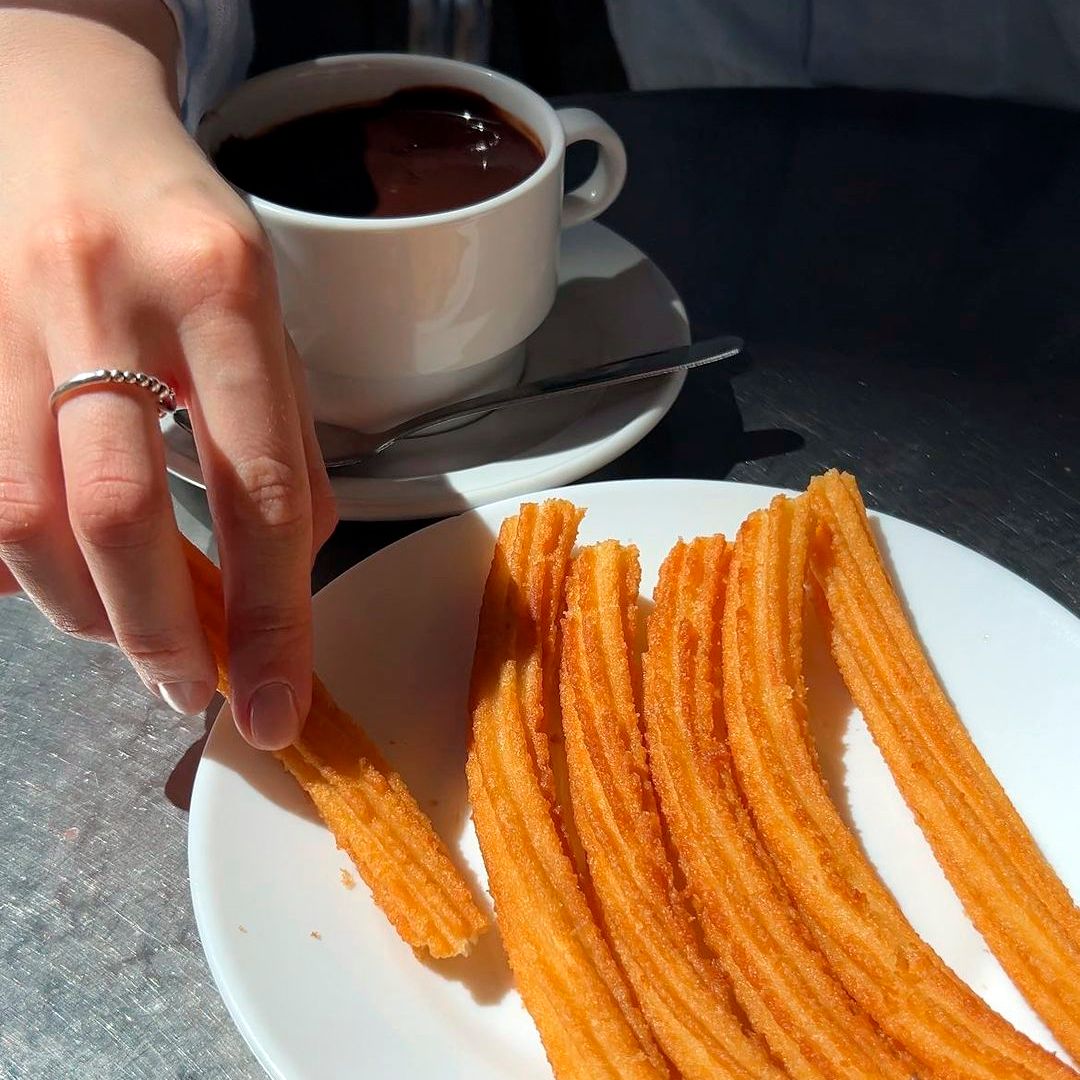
<point x="122" y="248"/>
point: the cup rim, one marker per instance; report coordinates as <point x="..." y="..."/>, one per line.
<point x="338" y="222"/>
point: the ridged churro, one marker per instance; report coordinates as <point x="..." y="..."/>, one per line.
<point x="914" y="997"/>
<point x="588" y="1019"/>
<point x="781" y="979"/>
<point x="1007" y="887"/>
<point x="365" y="804"/>
<point x="682" y="990"/>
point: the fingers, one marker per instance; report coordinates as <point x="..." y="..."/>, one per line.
<point x="86" y="522"/>
<point x="324" y="516"/>
<point x="113" y="461"/>
<point x="37" y="547"/>
<point x="248" y="431"/>
<point x="121" y="514"/>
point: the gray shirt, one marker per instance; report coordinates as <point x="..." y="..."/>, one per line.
<point x="1028" y="50"/>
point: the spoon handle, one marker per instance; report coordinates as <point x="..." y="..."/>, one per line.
<point x="621" y="371"/>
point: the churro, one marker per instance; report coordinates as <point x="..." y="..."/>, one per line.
<point x="588" y="1019"/>
<point x="682" y="990"/>
<point x="1007" y="887"/>
<point x="914" y="997"/>
<point x="780" y="977"/>
<point x="365" y="804"/>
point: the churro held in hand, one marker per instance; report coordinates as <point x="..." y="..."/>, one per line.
<point x="365" y="804"/>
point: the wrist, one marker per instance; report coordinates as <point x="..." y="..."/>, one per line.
<point x="125" y="49"/>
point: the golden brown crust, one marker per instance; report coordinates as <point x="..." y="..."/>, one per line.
<point x="588" y="1019"/>
<point x="366" y="805"/>
<point x="748" y="918"/>
<point x="1008" y="889"/>
<point x="882" y="962"/>
<point x="682" y="990"/>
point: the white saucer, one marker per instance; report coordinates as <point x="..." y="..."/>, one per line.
<point x="312" y="973"/>
<point x="612" y="302"/>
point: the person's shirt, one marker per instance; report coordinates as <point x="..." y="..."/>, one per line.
<point x="216" y="42"/>
<point x="1027" y="50"/>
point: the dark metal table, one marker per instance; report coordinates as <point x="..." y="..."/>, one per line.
<point x="906" y="271"/>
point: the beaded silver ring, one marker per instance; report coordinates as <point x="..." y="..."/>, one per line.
<point x="88" y="380"/>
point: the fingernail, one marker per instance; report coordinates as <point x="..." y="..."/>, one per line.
<point x="275" y="719"/>
<point x="186" y="698"/>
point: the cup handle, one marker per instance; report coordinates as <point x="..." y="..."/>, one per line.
<point x="602" y="188"/>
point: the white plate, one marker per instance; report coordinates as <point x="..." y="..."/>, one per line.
<point x="394" y="639"/>
<point x="612" y="303"/>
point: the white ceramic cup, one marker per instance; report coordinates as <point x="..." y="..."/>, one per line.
<point x="393" y="316"/>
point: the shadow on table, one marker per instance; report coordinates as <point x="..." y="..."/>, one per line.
<point x="702" y="438"/>
<point x="181" y="780"/>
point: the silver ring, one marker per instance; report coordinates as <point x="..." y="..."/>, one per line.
<point x="88" y="380"/>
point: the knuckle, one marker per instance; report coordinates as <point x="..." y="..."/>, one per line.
<point x="224" y="262"/>
<point x="116" y="512"/>
<point x="275" y="493"/>
<point x="72" y="235"/>
<point x="288" y="622"/>
<point x="26" y="509"/>
<point x="86" y="628"/>
<point x="162" y="650"/>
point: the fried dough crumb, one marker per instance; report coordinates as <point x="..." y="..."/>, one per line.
<point x="348" y="880"/>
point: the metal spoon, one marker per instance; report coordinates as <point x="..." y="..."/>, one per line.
<point x="363" y="445"/>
